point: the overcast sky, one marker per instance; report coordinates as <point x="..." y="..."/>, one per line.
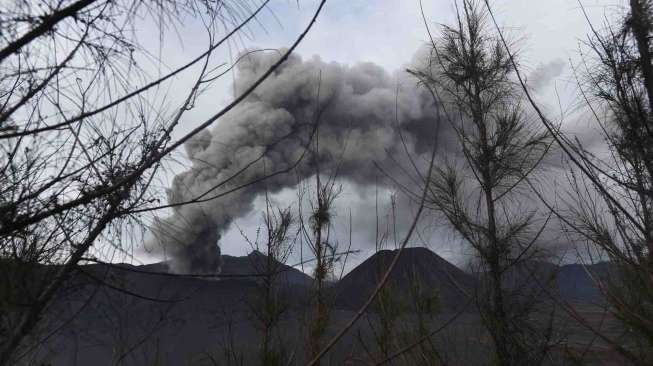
<point x="387" y="33"/>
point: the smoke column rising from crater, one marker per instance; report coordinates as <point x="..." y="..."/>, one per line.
<point x="362" y="113"/>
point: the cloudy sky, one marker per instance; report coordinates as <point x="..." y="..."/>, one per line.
<point x="387" y="33"/>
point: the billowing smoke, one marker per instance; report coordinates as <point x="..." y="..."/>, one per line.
<point x="360" y="111"/>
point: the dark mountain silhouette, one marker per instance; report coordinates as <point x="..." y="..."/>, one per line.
<point x="256" y="263"/>
<point x="577" y="282"/>
<point x="416" y="266"/>
<point x="250" y="267"/>
<point x="570" y="282"/>
<point x="107" y="309"/>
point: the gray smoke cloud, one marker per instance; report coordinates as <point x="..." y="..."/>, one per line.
<point x="361" y="113"/>
<point x="546" y="73"/>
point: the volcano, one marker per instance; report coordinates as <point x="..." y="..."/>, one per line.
<point x="416" y="267"/>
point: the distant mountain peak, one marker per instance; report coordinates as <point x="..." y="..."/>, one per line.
<point x="415" y="264"/>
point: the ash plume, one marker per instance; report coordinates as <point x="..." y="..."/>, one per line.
<point x="363" y="118"/>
